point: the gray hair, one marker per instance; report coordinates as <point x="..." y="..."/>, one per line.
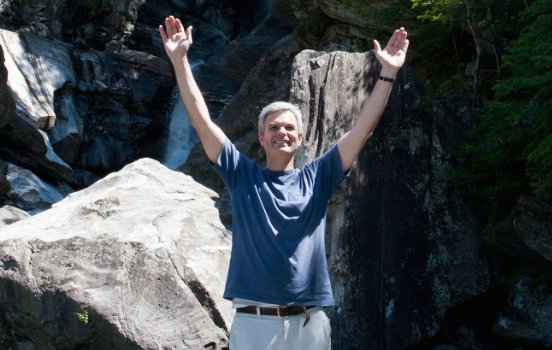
<point x="279" y="106"/>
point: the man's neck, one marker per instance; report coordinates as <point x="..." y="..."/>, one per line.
<point x="281" y="164"/>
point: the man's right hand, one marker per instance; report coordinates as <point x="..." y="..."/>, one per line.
<point x="176" y="40"/>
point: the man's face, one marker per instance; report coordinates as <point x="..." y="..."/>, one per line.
<point x="280" y="133"/>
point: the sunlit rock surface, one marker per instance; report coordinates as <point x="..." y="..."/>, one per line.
<point x="142" y="253"/>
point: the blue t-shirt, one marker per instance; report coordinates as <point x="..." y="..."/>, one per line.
<point x="279" y="218"/>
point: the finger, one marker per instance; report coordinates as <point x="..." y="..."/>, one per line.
<point x="377" y="46"/>
<point x="405" y="44"/>
<point x="163" y="34"/>
<point x="402" y="36"/>
<point x="395" y="38"/>
<point x="172" y="26"/>
<point x="169" y="26"/>
<point x="178" y="25"/>
<point x="189" y="34"/>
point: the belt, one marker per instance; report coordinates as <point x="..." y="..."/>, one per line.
<point x="280" y="311"/>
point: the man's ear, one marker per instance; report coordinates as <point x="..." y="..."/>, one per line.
<point x="300" y="138"/>
<point x="260" y="136"/>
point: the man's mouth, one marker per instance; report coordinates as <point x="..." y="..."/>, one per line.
<point x="281" y="142"/>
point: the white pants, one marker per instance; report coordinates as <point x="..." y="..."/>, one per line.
<point x="260" y="332"/>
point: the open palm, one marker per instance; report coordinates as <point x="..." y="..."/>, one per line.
<point x="394" y="53"/>
<point x="176" y="40"/>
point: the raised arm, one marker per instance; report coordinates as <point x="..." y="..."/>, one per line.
<point x="177" y="42"/>
<point x="391" y="59"/>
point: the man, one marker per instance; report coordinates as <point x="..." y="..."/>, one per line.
<point x="278" y="279"/>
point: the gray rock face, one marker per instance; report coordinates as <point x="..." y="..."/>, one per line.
<point x="402" y="246"/>
<point x="9" y="215"/>
<point x="97" y="24"/>
<point x="94" y="77"/>
<point x="7" y="107"/>
<point x="37" y="68"/>
<point x="528" y="315"/>
<point x="527" y="233"/>
<point x="91" y="111"/>
<point x="136" y="261"/>
<point x="29" y="192"/>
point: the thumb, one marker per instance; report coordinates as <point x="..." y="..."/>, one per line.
<point x="377" y="46"/>
<point x="189" y="34"/>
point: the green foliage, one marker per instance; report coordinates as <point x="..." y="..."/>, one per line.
<point x="464" y="36"/>
<point x="524" y="98"/>
<point x="439" y="10"/>
<point x="510" y="151"/>
<point x="83" y="317"/>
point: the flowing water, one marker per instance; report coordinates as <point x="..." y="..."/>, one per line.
<point x="181" y="135"/>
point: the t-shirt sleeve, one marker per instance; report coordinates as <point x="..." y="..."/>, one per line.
<point x="331" y="169"/>
<point x="227" y="164"/>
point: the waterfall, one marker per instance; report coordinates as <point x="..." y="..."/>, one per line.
<point x="181" y="135"/>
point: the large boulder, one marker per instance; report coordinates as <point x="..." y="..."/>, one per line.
<point x="527" y="317"/>
<point x="395" y="225"/>
<point x="28" y="192"/>
<point x="136" y="261"/>
<point x="526" y="234"/>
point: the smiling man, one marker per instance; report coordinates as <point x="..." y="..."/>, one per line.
<point x="278" y="279"/>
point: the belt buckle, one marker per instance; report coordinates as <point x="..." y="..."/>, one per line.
<point x="278" y="311"/>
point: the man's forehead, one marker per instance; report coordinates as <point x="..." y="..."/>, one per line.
<point x="281" y="116"/>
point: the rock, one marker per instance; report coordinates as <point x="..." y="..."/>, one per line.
<point x="526" y="234"/>
<point x="67" y="136"/>
<point x="29" y="192"/>
<point x="444" y="347"/>
<point x="527" y="317"/>
<point x="36" y="69"/>
<point x="23" y="144"/>
<point x="394" y="225"/>
<point x="4" y="186"/>
<point x="267" y="82"/>
<point x="347" y="13"/>
<point x="221" y="76"/>
<point x="118" y="98"/>
<point x="43" y="18"/>
<point x="136" y="261"/>
<point x="108" y="104"/>
<point x="101" y="25"/>
<point x="4" y="183"/>
<point x="7" y="104"/>
<point x="9" y="215"/>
